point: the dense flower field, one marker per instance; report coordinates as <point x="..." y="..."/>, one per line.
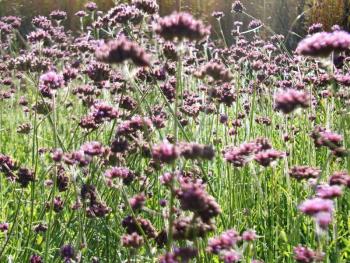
<point x="144" y="139"/>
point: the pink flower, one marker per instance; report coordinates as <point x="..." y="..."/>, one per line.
<point x="289" y="100"/>
<point x="249" y="235"/>
<point x="323" y="219"/>
<point x="323" y="44"/>
<point x="316" y="205"/>
<point x="328" y="192"/>
<point x="231" y="256"/>
<point x="165" y="152"/>
<point x="304" y="254"/>
<point x="122" y="49"/>
<point x="181" y="26"/>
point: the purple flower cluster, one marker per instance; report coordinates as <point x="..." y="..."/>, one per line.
<point x="193" y="197"/>
<point x="289" y="100"/>
<point x="343" y="80"/>
<point x="315" y="28"/>
<point x="135" y="124"/>
<point x="58" y="15"/>
<point x="51" y="80"/>
<point x="181" y="26"/>
<point x="268" y="157"/>
<point x="329" y="139"/>
<point x="260" y="150"/>
<point x="316" y="205"/>
<point x="196" y="151"/>
<point x="123" y="173"/>
<point x="225" y="241"/>
<point x="307" y="255"/>
<point x="122" y="49"/>
<point x="254" y="24"/>
<point x="304" y="172"/>
<point x="324" y="43"/>
<point x="216" y="71"/>
<point x="91" y="6"/>
<point x="123" y="14"/>
<point x="184" y="255"/>
<point x="165" y="152"/>
<point x="99" y="112"/>
<point x="148" y="6"/>
<point x="226" y="245"/>
<point x="237" y="7"/>
<point x="132" y="240"/>
<point x="321" y="209"/>
<point x="328" y="192"/>
<point x="241" y="155"/>
<point x="340" y="178"/>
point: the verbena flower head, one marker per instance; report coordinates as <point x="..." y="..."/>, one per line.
<point x="122" y="49"/>
<point x="216" y="71"/>
<point x="148" y="6"/>
<point x="316" y="205"/>
<point x="249" y="235"/>
<point x="181" y="26"/>
<point x="137" y="201"/>
<point x="240" y="155"/>
<point x="68" y="252"/>
<point x="92" y="148"/>
<point x="4" y="227"/>
<point x="340" y="178"/>
<point x="343" y="79"/>
<point x="35" y="259"/>
<point x="225" y="241"/>
<point x="237" y="7"/>
<point x="218" y="14"/>
<point x="91" y="6"/>
<point x="255" y="24"/>
<point x="58" y="15"/>
<point x="231" y="256"/>
<point x="196" y="151"/>
<point x="165" y="152"/>
<point x="315" y="28"/>
<point x="268" y="157"/>
<point x="39" y="35"/>
<point x="51" y="80"/>
<point x="102" y="111"/>
<point x="324" y="43"/>
<point x="328" y="192"/>
<point x="289" y="100"/>
<point x="306" y="255"/>
<point x="323" y="220"/>
<point x="184" y="255"/>
<point x="193" y="197"/>
<point x="13" y="21"/>
<point x="124" y="14"/>
<point x="81" y="14"/>
<point x="25" y="176"/>
<point x="327" y="138"/>
<point x="42" y="22"/>
<point x="122" y="173"/>
<point x="304" y="172"/>
<point x="132" y="241"/>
